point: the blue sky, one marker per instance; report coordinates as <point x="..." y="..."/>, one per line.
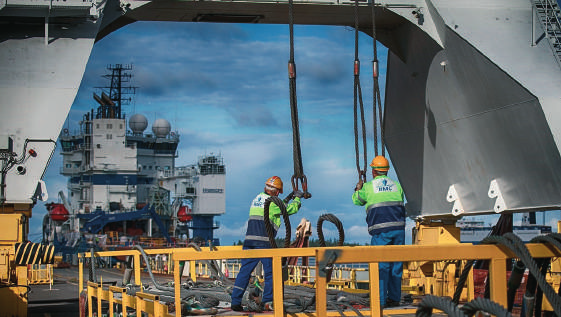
<point x="224" y="88"/>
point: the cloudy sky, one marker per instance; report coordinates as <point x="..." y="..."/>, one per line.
<point x="224" y="89"/>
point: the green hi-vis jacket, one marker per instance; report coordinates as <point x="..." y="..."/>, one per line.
<point x="256" y="235"/>
<point x="383" y="199"/>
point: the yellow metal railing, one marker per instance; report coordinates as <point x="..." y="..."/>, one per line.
<point x="372" y="255"/>
<point x="40" y="274"/>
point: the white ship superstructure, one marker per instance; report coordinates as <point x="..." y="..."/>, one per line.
<point x="115" y="168"/>
<point x="203" y="185"/>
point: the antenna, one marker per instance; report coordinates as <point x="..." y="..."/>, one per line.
<point x="118" y="90"/>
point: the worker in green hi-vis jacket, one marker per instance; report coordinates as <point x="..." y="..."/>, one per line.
<point x="256" y="238"/>
<point x="385" y="216"/>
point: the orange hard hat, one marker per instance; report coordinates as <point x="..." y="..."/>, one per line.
<point x="276" y="182"/>
<point x="380" y="163"/>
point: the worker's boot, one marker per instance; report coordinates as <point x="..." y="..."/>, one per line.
<point x="237" y="307"/>
<point x="268" y="306"/>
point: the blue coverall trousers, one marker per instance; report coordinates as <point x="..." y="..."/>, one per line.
<point x="390" y="272"/>
<point x="248" y="265"/>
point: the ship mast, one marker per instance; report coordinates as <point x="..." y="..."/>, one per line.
<point x="120" y="92"/>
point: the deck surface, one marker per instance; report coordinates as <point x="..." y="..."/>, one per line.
<point x="61" y="298"/>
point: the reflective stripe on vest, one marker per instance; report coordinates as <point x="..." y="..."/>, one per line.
<point x="257" y="238"/>
<point x="383" y="204"/>
<point x="362" y="201"/>
<point x="386" y="225"/>
<point x="254" y="217"/>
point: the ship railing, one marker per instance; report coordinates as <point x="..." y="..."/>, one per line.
<point x="40" y="274"/>
<point x="371" y="256"/>
<point x="342" y="276"/>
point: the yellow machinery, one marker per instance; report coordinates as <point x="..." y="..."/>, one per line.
<point x="15" y="255"/>
<point x="434" y="277"/>
<point x="15" y="226"/>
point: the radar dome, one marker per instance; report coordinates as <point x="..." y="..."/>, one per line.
<point x="161" y="128"/>
<point x="138" y="123"/>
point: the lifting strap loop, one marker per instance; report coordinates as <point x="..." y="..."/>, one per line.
<point x="376" y="91"/>
<point x="358" y="101"/>
<point x="297" y="153"/>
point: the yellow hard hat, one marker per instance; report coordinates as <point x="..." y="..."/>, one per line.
<point x="276" y="182"/>
<point x="380" y="163"/>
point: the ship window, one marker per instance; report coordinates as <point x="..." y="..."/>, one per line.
<point x="121" y="126"/>
<point x="98" y="146"/>
<point x="68" y="165"/>
<point x="166" y="168"/>
<point x="97" y="126"/>
<point x="109" y="136"/>
<point x="150" y="167"/>
<point x="109" y="126"/>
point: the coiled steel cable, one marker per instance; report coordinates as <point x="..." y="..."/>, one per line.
<point x="334" y="220"/>
<point x="484" y="305"/>
<point x="543" y="265"/>
<point x="447" y="306"/>
<point x="517" y="247"/>
<point x="149" y="269"/>
<point x="548" y="239"/>
<point x="462" y="281"/>
<point x="213" y="265"/>
<point x="269" y="227"/>
<point x="539" y="292"/>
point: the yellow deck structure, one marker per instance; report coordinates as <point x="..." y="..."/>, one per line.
<point x="372" y="255"/>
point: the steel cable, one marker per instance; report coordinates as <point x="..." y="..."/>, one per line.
<point x="462" y="281"/>
<point x="357" y="98"/>
<point x="544" y="266"/>
<point x="443" y="304"/>
<point x="531" y="291"/>
<point x="517" y="246"/>
<point x="214" y="267"/>
<point x="334" y="220"/>
<point x="149" y="269"/>
<point x="92" y="273"/>
<point x="377" y="100"/>
<point x="547" y="239"/>
<point x="484" y="305"/>
<point x="296" y="149"/>
<point x="269" y="227"/>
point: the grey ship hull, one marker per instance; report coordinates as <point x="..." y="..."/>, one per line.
<point x="470" y="103"/>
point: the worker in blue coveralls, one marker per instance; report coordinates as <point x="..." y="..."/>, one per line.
<point x="385" y="216"/>
<point x="256" y="238"/>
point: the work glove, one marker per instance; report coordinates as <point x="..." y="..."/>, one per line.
<point x="359" y="185"/>
<point x="288" y="198"/>
<point x="298" y="194"/>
